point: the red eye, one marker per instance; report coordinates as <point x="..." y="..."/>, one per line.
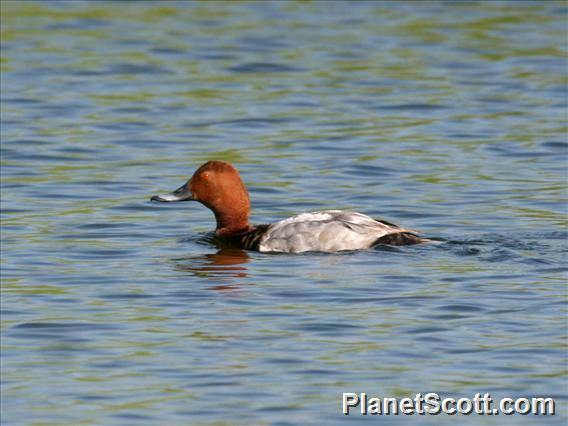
<point x="205" y="176"/>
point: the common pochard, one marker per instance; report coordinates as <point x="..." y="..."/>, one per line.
<point x="218" y="186"/>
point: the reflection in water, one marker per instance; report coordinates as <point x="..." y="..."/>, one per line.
<point x="226" y="263"/>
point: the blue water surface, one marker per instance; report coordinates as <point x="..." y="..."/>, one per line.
<point x="449" y="118"/>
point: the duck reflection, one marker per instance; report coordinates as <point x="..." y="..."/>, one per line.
<point x="227" y="262"/>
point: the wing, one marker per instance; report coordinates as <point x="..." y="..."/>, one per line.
<point x="328" y="230"/>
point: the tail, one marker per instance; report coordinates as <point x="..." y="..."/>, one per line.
<point x="401" y="239"/>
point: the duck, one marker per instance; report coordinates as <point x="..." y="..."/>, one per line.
<point x="219" y="186"/>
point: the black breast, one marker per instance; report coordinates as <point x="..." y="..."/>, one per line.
<point x="247" y="240"/>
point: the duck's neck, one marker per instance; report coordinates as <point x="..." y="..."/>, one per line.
<point x="232" y="223"/>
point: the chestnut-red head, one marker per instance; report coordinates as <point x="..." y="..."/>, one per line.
<point x="217" y="185"/>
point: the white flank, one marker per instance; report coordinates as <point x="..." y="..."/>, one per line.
<point x="328" y="231"/>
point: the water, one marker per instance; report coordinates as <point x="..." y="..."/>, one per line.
<point x="448" y="118"/>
